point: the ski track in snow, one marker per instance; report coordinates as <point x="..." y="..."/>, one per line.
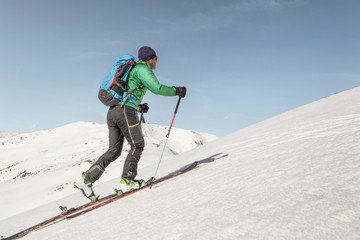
<point x="294" y="176"/>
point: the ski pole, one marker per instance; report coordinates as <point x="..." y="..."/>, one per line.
<point x="167" y="137"/>
<point x="142" y="120"/>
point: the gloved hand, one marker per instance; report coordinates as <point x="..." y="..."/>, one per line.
<point x="180" y="91"/>
<point x="143" y="108"/>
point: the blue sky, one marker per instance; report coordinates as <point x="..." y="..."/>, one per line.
<point x="242" y="61"/>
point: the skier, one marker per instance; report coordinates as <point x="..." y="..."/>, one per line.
<point x="123" y="122"/>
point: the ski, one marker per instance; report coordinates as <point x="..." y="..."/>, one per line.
<point x="57" y="218"/>
<point x="70" y="213"/>
<point x="151" y="182"/>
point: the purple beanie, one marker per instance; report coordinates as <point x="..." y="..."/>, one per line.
<point x="146" y="53"/>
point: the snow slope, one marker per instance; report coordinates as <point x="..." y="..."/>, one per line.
<point x="40" y="167"/>
<point x="294" y="176"/>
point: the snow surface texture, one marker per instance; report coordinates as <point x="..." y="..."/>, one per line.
<point x="294" y="176"/>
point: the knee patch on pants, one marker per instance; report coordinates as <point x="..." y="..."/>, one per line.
<point x="95" y="172"/>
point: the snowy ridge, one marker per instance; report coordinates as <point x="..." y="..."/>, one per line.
<point x="294" y="176"/>
<point x="7" y="134"/>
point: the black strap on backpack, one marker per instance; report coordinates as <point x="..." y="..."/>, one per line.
<point x="118" y="85"/>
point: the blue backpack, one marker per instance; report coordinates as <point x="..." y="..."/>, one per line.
<point x="113" y="88"/>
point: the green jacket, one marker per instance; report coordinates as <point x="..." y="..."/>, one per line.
<point x="142" y="78"/>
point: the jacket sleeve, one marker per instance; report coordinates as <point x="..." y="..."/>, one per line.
<point x="150" y="81"/>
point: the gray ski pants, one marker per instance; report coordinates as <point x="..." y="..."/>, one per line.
<point x="122" y="122"/>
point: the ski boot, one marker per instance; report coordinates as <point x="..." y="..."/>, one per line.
<point x="84" y="184"/>
<point x="127" y="185"/>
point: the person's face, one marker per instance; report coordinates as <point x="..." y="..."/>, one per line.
<point x="152" y="63"/>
